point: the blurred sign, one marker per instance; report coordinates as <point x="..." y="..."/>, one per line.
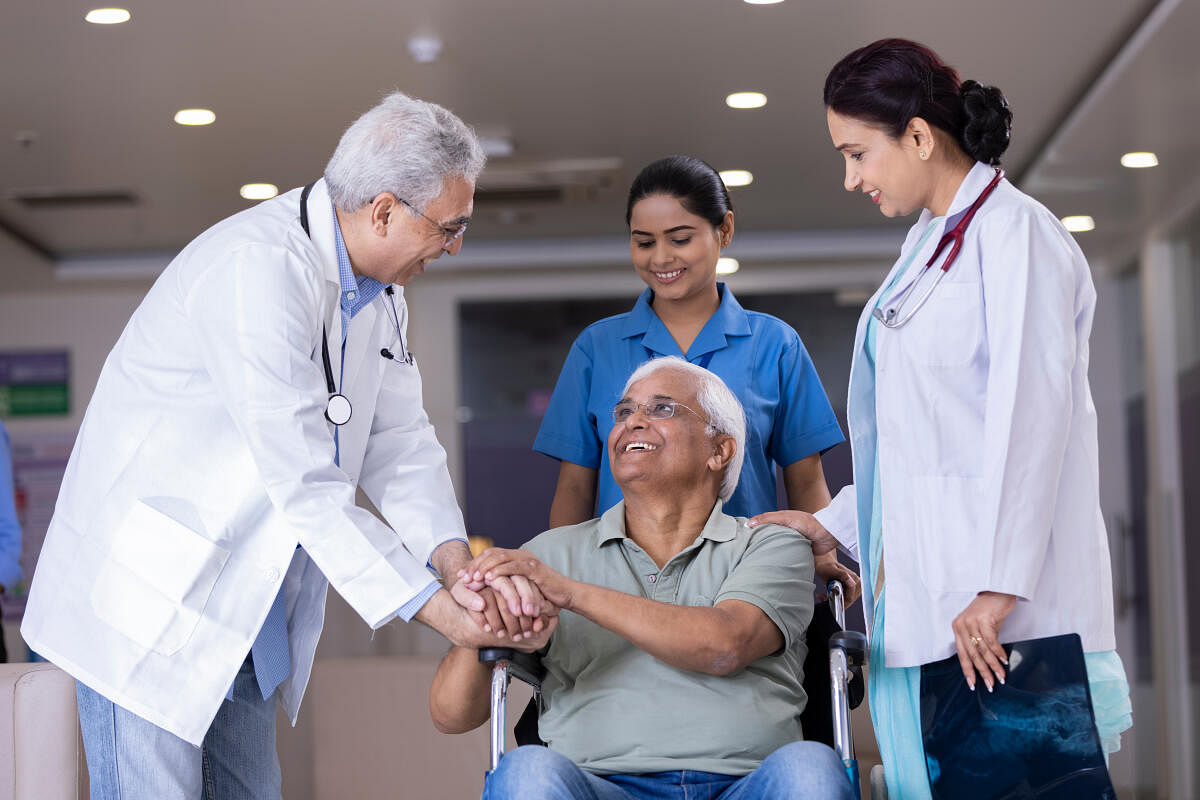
<point x="34" y="382"/>
<point x="39" y="461"/>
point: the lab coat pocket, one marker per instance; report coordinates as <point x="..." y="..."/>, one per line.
<point x="157" y="578"/>
<point x="948" y="330"/>
<point x="948" y="551"/>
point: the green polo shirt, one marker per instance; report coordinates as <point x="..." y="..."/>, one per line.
<point x="613" y="708"/>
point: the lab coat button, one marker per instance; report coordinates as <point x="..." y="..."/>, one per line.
<point x="271" y="575"/>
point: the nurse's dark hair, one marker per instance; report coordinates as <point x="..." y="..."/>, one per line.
<point x="889" y="82"/>
<point x="694" y="183"/>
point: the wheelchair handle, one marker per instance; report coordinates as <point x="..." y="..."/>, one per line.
<point x="837" y="601"/>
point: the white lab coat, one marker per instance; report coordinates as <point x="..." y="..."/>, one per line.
<point x="986" y="435"/>
<point x="204" y="458"/>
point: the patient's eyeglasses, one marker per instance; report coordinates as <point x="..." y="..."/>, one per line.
<point x="656" y="408"/>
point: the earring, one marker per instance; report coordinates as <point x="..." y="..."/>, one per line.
<point x="923" y="155"/>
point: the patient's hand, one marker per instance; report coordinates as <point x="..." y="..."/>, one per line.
<point x="496" y="564"/>
<point x="536" y="641"/>
<point x="496" y="617"/>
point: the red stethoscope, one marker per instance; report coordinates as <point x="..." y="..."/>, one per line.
<point x="891" y="317"/>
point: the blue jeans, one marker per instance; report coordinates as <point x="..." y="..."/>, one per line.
<point x="798" y="770"/>
<point x="129" y="758"/>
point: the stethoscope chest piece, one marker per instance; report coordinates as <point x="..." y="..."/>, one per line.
<point x="338" y="409"/>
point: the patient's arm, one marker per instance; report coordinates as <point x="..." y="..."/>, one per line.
<point x="716" y="640"/>
<point x="459" y="700"/>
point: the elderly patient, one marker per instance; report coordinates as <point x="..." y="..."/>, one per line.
<point x="674" y="667"/>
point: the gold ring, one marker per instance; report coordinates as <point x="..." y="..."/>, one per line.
<point x="977" y="641"/>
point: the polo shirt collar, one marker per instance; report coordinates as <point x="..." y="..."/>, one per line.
<point x="730" y="319"/>
<point x="720" y="527"/>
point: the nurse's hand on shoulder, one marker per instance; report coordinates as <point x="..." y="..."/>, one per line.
<point x="824" y="547"/>
<point x="977" y="637"/>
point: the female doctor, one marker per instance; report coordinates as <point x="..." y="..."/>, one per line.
<point x="975" y="505"/>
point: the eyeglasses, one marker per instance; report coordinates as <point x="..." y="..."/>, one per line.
<point x="449" y="235"/>
<point x="657" y="408"/>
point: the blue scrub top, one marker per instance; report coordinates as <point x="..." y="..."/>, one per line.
<point x="760" y="358"/>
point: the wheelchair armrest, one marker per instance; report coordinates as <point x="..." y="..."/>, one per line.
<point x="853" y="644"/>
<point x="525" y="667"/>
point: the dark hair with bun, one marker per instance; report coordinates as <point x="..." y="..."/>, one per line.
<point x="694" y="183"/>
<point x="889" y="82"/>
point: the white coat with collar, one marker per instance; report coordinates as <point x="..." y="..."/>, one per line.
<point x="205" y="458"/>
<point x="982" y="417"/>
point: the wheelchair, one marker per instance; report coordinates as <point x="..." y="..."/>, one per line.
<point x="833" y="681"/>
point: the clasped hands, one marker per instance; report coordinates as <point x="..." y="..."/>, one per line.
<point x="520" y="599"/>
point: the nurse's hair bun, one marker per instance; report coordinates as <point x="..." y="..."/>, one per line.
<point x="988" y="126"/>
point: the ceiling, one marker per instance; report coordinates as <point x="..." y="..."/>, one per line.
<point x="604" y="87"/>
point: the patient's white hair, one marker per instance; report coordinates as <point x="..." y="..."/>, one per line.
<point x="719" y="404"/>
<point x="404" y="146"/>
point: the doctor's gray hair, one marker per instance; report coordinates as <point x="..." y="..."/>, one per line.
<point x="404" y="146"/>
<point x="718" y="403"/>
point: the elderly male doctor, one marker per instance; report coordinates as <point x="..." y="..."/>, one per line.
<point x="210" y="497"/>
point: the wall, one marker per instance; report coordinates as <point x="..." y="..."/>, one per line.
<point x="86" y="319"/>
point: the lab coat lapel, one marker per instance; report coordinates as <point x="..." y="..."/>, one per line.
<point x="358" y="342"/>
<point x="320" y="227"/>
<point x="860" y="419"/>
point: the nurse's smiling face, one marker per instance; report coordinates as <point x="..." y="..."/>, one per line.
<point x="674" y="251"/>
<point x="889" y="171"/>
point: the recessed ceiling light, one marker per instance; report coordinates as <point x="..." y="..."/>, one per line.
<point x="1139" y="160"/>
<point x="727" y="266"/>
<point x="496" y="146"/>
<point x="425" y="49"/>
<point x="1080" y="223"/>
<point x="259" y="191"/>
<point x="195" y="116"/>
<point x="746" y="100"/>
<point x="736" y="177"/>
<point x="107" y="16"/>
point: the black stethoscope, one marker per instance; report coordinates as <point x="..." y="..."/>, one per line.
<point x="888" y="318"/>
<point x="338" y="409"/>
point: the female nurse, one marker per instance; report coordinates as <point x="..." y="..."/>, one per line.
<point x="680" y="218"/>
<point x="976" y="497"/>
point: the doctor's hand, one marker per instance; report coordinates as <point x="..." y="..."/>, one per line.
<point x="496" y="563"/>
<point x="801" y="522"/>
<point x="830" y="569"/>
<point x="976" y="637"/>
<point x="824" y="547"/>
<point x="497" y="619"/>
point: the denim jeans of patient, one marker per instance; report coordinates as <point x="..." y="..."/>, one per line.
<point x="131" y="759"/>
<point x="801" y="770"/>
